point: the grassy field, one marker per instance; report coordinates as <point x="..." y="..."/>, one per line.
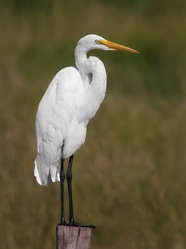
<point x="129" y="178"/>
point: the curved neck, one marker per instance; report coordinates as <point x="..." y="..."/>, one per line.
<point x="94" y="78"/>
<point x="81" y="61"/>
<point x="92" y="70"/>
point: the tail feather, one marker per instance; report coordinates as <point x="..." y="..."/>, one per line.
<point x="55" y="172"/>
<point x="45" y="174"/>
<point x="41" y="171"/>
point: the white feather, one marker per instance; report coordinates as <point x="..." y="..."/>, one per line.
<point x="71" y="100"/>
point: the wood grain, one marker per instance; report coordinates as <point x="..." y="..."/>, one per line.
<point x="69" y="237"/>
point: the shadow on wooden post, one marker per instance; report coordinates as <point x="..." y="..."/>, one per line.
<point x="69" y="237"/>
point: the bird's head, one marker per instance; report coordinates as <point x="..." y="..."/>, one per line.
<point x="91" y="42"/>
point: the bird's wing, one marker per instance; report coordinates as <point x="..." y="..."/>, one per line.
<point x="53" y="117"/>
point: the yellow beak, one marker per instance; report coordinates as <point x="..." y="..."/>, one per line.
<point x="116" y="46"/>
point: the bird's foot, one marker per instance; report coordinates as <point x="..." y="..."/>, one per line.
<point x="75" y="224"/>
<point x="63" y="223"/>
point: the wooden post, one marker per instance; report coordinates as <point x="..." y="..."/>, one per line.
<point x="69" y="237"/>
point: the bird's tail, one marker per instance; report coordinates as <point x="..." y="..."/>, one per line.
<point x="41" y="171"/>
<point x="45" y="174"/>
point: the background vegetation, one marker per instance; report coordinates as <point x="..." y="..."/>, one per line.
<point x="129" y="178"/>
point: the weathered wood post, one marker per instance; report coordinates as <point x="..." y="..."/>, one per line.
<point x="69" y="237"/>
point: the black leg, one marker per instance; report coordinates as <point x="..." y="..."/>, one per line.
<point x="71" y="211"/>
<point x="69" y="182"/>
<point x="62" y="179"/>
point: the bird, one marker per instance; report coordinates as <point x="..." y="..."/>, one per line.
<point x="72" y="98"/>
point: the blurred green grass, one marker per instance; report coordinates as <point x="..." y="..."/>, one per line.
<point x="129" y="178"/>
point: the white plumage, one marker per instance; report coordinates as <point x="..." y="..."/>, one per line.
<point x="71" y="100"/>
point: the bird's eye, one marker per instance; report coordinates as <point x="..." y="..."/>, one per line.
<point x="97" y="42"/>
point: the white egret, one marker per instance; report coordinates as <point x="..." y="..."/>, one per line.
<point x="71" y="100"/>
